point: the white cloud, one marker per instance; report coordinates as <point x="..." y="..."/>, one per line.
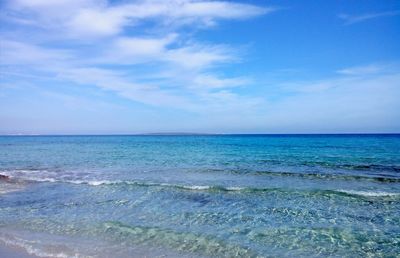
<point x="112" y="81"/>
<point x="206" y="81"/>
<point x="198" y="56"/>
<point x="126" y="49"/>
<point x="92" y="22"/>
<point x="191" y="86"/>
<point x="78" y="38"/>
<point x="135" y="50"/>
<point x="351" y="19"/>
<point x="89" y="18"/>
<point x="50" y="3"/>
<point x="363" y="70"/>
<point x="20" y="53"/>
<point x="143" y="46"/>
<point x="215" y="9"/>
<point x="183" y="56"/>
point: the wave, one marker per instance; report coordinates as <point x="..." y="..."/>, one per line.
<point x="364" y="167"/>
<point x="219" y="188"/>
<point x="343" y="175"/>
<point x="368" y="193"/>
<point x="45" y="175"/>
<point x="21" y="177"/>
<point x="379" y="167"/>
<point x="325" y="164"/>
<point x="178" y="186"/>
<point x="331" y="176"/>
<point x="8" y="185"/>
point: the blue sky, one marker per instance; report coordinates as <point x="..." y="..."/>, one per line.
<point x="111" y="67"/>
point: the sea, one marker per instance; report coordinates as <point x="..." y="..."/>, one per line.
<point x="201" y="195"/>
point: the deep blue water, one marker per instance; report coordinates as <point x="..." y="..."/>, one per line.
<point x="202" y="196"/>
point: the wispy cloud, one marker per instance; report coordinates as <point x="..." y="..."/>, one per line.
<point x="358" y="102"/>
<point x="21" y="53"/>
<point x="365" y="70"/>
<point x="89" y="18"/>
<point x="351" y="19"/>
<point x="92" y="43"/>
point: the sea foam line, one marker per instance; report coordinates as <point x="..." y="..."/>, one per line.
<point x="361" y="193"/>
<point x="231" y="188"/>
<point x="369" y="193"/>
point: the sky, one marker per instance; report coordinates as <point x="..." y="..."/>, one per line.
<point x="148" y="66"/>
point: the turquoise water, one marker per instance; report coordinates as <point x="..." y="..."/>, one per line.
<point x="202" y="196"/>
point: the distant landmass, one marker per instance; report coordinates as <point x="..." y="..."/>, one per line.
<point x="178" y="133"/>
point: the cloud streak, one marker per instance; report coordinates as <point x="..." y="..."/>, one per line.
<point x="89" y="18"/>
<point x="352" y="19"/>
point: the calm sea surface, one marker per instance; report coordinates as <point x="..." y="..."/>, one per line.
<point x="201" y="196"/>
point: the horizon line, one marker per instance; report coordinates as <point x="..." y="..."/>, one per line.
<point x="201" y="134"/>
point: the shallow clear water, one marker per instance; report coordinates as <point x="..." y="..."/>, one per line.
<point x="202" y="196"/>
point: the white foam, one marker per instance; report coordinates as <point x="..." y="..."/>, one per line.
<point x="43" y="179"/>
<point x="52" y="177"/>
<point x="369" y="193"/>
<point x="196" y="187"/>
<point x="102" y="182"/>
<point x="234" y="188"/>
<point x="30" y="175"/>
